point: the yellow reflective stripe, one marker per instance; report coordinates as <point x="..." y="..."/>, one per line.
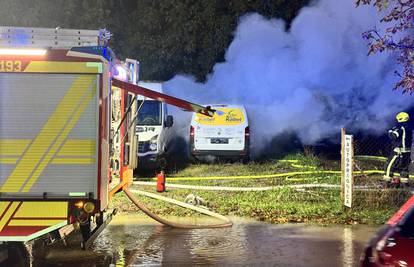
<point x="60" y="140"/>
<point x="8" y="214"/>
<point x="64" y="67"/>
<point x="73" y="161"/>
<point x="3" y="206"/>
<point x="13" y="147"/>
<point x="39" y="222"/>
<point x="72" y="147"/>
<point x="403" y="137"/>
<point x="33" y="155"/>
<point x="8" y="160"/>
<point x="42" y="209"/>
<point x="78" y="148"/>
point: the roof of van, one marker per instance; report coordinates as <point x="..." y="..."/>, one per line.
<point x="154" y="86"/>
<point x="225" y="106"/>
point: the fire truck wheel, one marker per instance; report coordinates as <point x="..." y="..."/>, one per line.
<point x="39" y="248"/>
<point x="18" y="255"/>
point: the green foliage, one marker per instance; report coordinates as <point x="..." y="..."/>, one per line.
<point x="397" y="37"/>
<point x="54" y="13"/>
<point x="167" y="37"/>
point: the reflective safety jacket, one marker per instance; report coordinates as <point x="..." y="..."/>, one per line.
<point x="401" y="137"/>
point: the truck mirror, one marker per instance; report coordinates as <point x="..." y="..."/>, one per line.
<point x="169" y="122"/>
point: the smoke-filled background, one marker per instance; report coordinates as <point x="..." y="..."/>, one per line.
<point x="311" y="80"/>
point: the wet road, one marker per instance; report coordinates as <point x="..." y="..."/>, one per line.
<point x="138" y="241"/>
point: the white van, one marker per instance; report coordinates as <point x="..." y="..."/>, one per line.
<point x="226" y="135"/>
<point x="153" y="127"/>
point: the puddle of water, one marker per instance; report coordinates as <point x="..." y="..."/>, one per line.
<point x="132" y="240"/>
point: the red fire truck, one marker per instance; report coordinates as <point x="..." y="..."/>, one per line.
<point x="55" y="130"/>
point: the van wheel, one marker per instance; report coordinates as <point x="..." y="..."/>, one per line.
<point x="246" y="159"/>
<point x="193" y="159"/>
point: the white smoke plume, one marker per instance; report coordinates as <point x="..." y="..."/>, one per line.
<point x="311" y="80"/>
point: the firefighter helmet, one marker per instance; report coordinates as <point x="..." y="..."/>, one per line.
<point x="402" y="117"/>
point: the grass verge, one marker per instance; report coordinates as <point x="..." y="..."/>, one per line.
<point x="280" y="205"/>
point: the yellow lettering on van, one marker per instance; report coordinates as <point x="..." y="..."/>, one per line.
<point x="223" y="116"/>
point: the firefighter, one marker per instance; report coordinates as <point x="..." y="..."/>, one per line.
<point x="399" y="158"/>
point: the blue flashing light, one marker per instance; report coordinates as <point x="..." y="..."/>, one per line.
<point x="19" y="38"/>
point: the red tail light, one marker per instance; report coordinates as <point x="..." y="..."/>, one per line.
<point x="247" y="131"/>
<point x="191" y="131"/>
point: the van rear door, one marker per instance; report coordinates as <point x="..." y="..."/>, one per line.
<point x="224" y="131"/>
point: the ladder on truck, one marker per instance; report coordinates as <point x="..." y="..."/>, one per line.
<point x="53" y="38"/>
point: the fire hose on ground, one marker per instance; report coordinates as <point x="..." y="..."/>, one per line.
<point x="247" y="189"/>
<point x="268" y="176"/>
<point x="143" y="208"/>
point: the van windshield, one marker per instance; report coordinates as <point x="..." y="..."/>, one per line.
<point x="150" y="113"/>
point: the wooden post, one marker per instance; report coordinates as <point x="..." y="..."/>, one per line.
<point x="348" y="170"/>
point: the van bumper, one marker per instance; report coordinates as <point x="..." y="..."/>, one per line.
<point x="152" y="162"/>
<point x="220" y="153"/>
<point x="148" y="161"/>
<point x="224" y="153"/>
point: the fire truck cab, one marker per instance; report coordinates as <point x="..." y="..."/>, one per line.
<point x="60" y="128"/>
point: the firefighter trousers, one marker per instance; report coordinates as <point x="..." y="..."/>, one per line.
<point x="397" y="162"/>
